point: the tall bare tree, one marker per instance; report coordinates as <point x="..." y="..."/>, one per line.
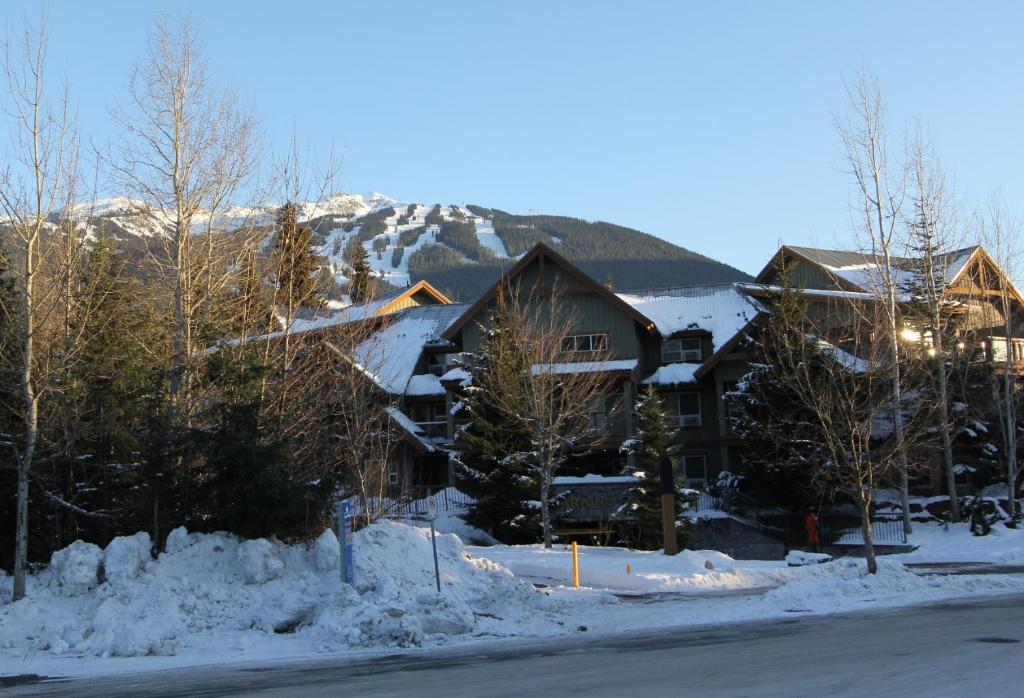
<point x="188" y="150"/>
<point x="932" y="234"/>
<point x="1002" y="234"/>
<point x="37" y="188"/>
<point x="881" y="184"/>
<point x="536" y="385"/>
<point x="834" y="376"/>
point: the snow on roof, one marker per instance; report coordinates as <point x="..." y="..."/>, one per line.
<point x="819" y="292"/>
<point x="591" y="479"/>
<point x="585" y="367"/>
<point x="390" y="355"/>
<point x="425" y="384"/>
<point x="457" y="374"/>
<point x="721" y="310"/>
<point x="673" y="374"/>
<point x="848" y="361"/>
<point x="863" y="269"/>
<point x="411" y="428"/>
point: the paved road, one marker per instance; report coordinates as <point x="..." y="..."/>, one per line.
<point x="950" y="649"/>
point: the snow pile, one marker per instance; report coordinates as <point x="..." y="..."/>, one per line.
<point x="940" y="543"/>
<point x="125" y="557"/>
<point x="846" y="585"/>
<point x="799" y="558"/>
<point x="208" y="592"/>
<point x="76" y="568"/>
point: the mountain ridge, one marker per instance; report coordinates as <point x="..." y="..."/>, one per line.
<point x="460" y="249"/>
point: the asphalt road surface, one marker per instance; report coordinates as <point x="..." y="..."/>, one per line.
<point x="950" y="649"/>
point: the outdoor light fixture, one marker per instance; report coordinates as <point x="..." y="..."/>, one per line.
<point x="910" y="335"/>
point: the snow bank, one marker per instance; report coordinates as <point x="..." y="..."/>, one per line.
<point x="940" y="543"/>
<point x="125" y="557"/>
<point x="211" y="593"/>
<point x="76" y="568"/>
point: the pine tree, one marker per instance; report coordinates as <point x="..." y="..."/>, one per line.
<point x="362" y="285"/>
<point x="116" y="381"/>
<point x="298" y="283"/>
<point x="652" y="443"/>
<point x="497" y="469"/>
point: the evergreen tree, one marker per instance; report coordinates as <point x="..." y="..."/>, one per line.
<point x="362" y="285"/>
<point x="298" y="283"/>
<point x="246" y="485"/>
<point x="116" y="380"/>
<point x="642" y="511"/>
<point x="497" y="469"/>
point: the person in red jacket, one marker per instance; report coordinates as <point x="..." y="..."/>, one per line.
<point x="811" y="524"/>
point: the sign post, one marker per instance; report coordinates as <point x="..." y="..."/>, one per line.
<point x="431" y="515"/>
<point x="345" y="541"/>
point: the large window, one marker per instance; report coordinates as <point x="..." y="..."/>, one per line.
<point x="597" y="341"/>
<point x="694" y="470"/>
<point x="440" y="364"/>
<point x="681" y="349"/>
<point x="431" y="417"/>
<point x="606" y="414"/>
<point x="684" y="408"/>
<point x="727" y="387"/>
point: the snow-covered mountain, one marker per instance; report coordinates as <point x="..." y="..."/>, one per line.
<point x="459" y="248"/>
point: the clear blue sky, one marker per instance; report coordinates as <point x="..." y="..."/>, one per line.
<point x="707" y="124"/>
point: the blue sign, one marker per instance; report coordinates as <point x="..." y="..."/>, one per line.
<point x="345" y="540"/>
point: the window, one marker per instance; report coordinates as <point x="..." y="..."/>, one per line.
<point x="727" y="387"/>
<point x="687" y="409"/>
<point x="440" y="364"/>
<point x="681" y="349"/>
<point x="694" y="470"/>
<point x="427" y="412"/>
<point x="585" y="342"/>
<point x="431" y="417"/>
<point x="606" y="413"/>
<point x="393" y="473"/>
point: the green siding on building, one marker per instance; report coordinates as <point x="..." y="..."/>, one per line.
<point x="580" y="311"/>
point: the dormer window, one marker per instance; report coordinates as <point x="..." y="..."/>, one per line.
<point x="583" y="343"/>
<point x="440" y="364"/>
<point x="681" y="349"/>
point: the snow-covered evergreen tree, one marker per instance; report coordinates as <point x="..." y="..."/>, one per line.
<point x="498" y="466"/>
<point x="642" y="510"/>
<point x="362" y="285"/>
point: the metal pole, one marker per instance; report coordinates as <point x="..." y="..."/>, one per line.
<point x="341" y="540"/>
<point x="575" y="566"/>
<point x="433" y="544"/>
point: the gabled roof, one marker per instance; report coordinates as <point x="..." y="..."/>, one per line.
<point x="389" y="302"/>
<point x="858" y="271"/>
<point x="390" y="354"/>
<point x="540" y="250"/>
<point x="721" y="310"/>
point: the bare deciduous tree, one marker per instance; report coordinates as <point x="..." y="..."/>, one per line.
<point x="932" y="232"/>
<point x="881" y="191"/>
<point x="835" y="376"/>
<point x="187" y="151"/>
<point x="37" y="188"/>
<point x="537" y="385"/>
<point x="1002" y="236"/>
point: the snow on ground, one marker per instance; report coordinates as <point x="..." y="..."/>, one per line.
<point x="212" y="594"/>
<point x="212" y="598"/>
<point x="488" y="237"/>
<point x="937" y="543"/>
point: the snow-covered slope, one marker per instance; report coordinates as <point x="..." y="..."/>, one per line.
<point x="468" y="244"/>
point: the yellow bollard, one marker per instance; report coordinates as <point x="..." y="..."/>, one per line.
<point x="629" y="568"/>
<point x="575" y="566"/>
